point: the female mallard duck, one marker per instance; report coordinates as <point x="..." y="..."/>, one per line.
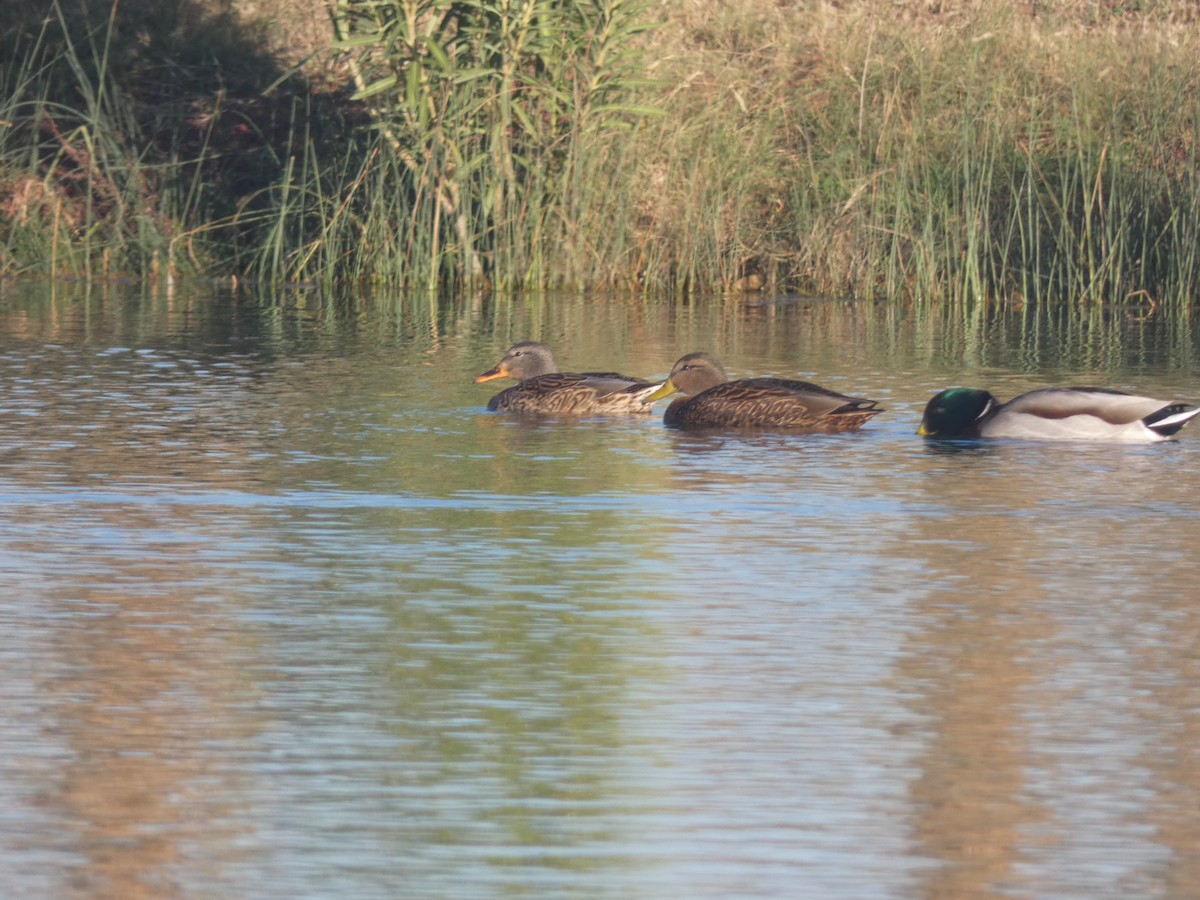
<point x="712" y="400"/>
<point x="545" y="390"/>
<point x="1054" y="414"/>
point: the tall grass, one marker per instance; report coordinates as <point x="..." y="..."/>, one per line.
<point x="992" y="157"/>
<point x="141" y="138"/>
<point x="489" y="111"/>
<point x="989" y="154"/>
<point x="91" y="217"/>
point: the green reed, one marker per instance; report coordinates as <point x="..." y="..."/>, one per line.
<point x="961" y="165"/>
<point x="487" y="114"/>
<point x="979" y="157"/>
<point x="139" y="138"/>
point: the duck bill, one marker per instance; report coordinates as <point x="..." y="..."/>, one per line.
<point x="492" y="374"/>
<point x="923" y="430"/>
<point x="664" y="390"/>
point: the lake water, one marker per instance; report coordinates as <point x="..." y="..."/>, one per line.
<point x="284" y="612"/>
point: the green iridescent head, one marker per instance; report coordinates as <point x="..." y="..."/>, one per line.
<point x="955" y="412"/>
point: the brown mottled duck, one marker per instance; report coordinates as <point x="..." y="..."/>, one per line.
<point x="545" y="390"/>
<point x="711" y="400"/>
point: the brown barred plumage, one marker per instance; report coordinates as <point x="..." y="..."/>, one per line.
<point x="543" y="390"/>
<point x="712" y="401"/>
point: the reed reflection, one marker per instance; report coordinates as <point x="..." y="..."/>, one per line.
<point x="970" y="803"/>
<point x="147" y="702"/>
<point x="1041" y="755"/>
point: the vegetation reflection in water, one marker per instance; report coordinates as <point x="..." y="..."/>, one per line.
<point x="1056" y="588"/>
<point x="289" y="611"/>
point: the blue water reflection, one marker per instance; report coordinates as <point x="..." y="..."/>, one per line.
<point x="287" y="614"/>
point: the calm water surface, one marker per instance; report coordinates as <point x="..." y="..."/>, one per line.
<point x="285" y="613"/>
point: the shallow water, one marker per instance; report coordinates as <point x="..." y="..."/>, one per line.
<point x="285" y="612"/>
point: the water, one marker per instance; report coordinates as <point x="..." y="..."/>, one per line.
<point x="285" y="613"/>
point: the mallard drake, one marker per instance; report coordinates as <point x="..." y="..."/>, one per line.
<point x="1054" y="414"/>
<point x="712" y="400"/>
<point x="545" y="390"/>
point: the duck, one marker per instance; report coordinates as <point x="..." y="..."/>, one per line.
<point x="1055" y="414"/>
<point x="544" y="390"/>
<point x="712" y="400"/>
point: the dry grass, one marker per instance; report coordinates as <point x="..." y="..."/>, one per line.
<point x="798" y="137"/>
<point x="881" y="146"/>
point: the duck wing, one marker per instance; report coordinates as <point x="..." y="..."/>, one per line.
<point x="773" y="402"/>
<point x="1088" y="413"/>
<point x="569" y="393"/>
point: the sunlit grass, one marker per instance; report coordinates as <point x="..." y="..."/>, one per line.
<point x="876" y="149"/>
<point x="989" y="156"/>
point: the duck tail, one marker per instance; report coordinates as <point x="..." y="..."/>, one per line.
<point x="1168" y="420"/>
